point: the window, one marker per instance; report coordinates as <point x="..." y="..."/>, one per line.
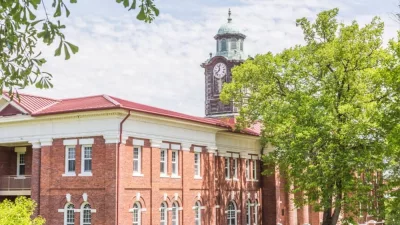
<point x="223" y="45"/>
<point x="241" y="45"/>
<point x="248" y="215"/>
<point x="163" y="214"/>
<point x="227" y="172"/>
<point x="137" y="216"/>
<point x="70" y="159"/>
<point x="87" y="159"/>
<point x="69" y="214"/>
<point x="175" y="214"/>
<point x="137" y="160"/>
<point x="254" y="169"/>
<point x="174" y="161"/>
<point x="163" y="161"/>
<point x="235" y="162"/>
<point x="233" y="44"/>
<point x="255" y="212"/>
<point x="20" y="164"/>
<point x="197" y="213"/>
<point x="247" y="169"/>
<point x="86" y="214"/>
<point x="197" y="167"/>
<point x="231" y="214"/>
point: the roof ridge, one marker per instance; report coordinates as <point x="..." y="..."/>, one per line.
<point x="112" y="100"/>
<point x="90" y="96"/>
<point x="47" y="106"/>
<point x="30" y="95"/>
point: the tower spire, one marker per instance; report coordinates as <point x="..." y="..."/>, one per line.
<point x="229" y="16"/>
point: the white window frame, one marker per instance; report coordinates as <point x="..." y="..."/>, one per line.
<point x="66" y="209"/>
<point x="20" y="164"/>
<point x="139" y="213"/>
<point x="235" y="169"/>
<point x="197" y="165"/>
<point x="247" y="169"/>
<point x="197" y="208"/>
<point x="165" y="163"/>
<point x="83" y="158"/>
<point x="138" y="160"/>
<point x="69" y="173"/>
<point x="164" y="207"/>
<point x="233" y="42"/>
<point x="255" y="213"/>
<point x="248" y="212"/>
<point x="175" y="209"/>
<point x="254" y="170"/>
<point x="228" y="216"/>
<point x="227" y="168"/>
<point x="83" y="213"/>
<point x="175" y="163"/>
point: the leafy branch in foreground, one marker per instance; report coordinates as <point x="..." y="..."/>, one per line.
<point x="21" y="30"/>
<point x="331" y="110"/>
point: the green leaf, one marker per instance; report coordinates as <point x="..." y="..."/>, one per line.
<point x="31" y="15"/>
<point x="67" y="12"/>
<point x="73" y="48"/>
<point x="57" y="13"/>
<point x="126" y="3"/>
<point x="73" y="1"/>
<point x="58" y="50"/>
<point x="66" y="51"/>
<point x="141" y="15"/>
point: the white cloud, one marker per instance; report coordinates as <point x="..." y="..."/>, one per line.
<point x="159" y="63"/>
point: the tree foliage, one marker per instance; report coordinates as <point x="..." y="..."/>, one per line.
<point x="330" y="108"/>
<point x="24" y="23"/>
<point x="19" y="212"/>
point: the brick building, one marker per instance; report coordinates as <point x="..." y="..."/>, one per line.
<point x="103" y="160"/>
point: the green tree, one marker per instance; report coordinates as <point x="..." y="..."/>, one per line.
<point x="22" y="26"/>
<point x="19" y="212"/>
<point x="329" y="108"/>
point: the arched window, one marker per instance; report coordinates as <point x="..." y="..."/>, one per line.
<point x="163" y="214"/>
<point x="233" y="44"/>
<point x="241" y="45"/>
<point x="69" y="214"/>
<point x="248" y="213"/>
<point x="231" y="212"/>
<point x="223" y="45"/>
<point x="197" y="213"/>
<point x="137" y="214"/>
<point x="255" y="212"/>
<point x="175" y="214"/>
<point x="86" y="214"/>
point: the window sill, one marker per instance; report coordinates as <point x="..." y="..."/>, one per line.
<point x="19" y="177"/>
<point x="175" y="176"/>
<point x="164" y="176"/>
<point x="86" y="174"/>
<point x="252" y="180"/>
<point x="137" y="175"/>
<point x="69" y="175"/>
<point x="235" y="179"/>
<point x="198" y="178"/>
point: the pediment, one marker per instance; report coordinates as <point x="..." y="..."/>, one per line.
<point x="10" y="108"/>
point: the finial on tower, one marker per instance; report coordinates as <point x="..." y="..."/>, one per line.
<point x="229" y="16"/>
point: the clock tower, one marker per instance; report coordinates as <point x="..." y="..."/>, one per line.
<point x="229" y="53"/>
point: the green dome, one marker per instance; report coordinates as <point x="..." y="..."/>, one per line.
<point x="228" y="28"/>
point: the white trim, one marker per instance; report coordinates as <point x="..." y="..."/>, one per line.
<point x="175" y="176"/>
<point x="85" y="174"/>
<point x="111" y="100"/>
<point x="198" y="149"/>
<point x="46" y="142"/>
<point x="137" y="175"/>
<point x="198" y="164"/>
<point x="198" y="178"/>
<point x="138" y="142"/>
<point x="70" y="142"/>
<point x="155" y="143"/>
<point x="164" y="146"/>
<point x="20" y="149"/>
<point x="69" y="174"/>
<point x="82" y="211"/>
<point x="227" y="168"/>
<point x="86" y="141"/>
<point x="164" y="176"/>
<point x="14" y="104"/>
<point x="235" y="167"/>
<point x="175" y="147"/>
<point x="35" y="144"/>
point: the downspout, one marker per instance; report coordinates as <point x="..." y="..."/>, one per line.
<point x="117" y="155"/>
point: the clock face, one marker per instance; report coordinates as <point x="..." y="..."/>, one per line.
<point x="219" y="70"/>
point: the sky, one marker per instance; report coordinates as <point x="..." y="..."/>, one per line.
<point x="158" y="64"/>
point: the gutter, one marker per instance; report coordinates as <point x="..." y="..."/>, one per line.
<point x="117" y="163"/>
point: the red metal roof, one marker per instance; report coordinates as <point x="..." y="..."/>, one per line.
<point x="40" y="106"/>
